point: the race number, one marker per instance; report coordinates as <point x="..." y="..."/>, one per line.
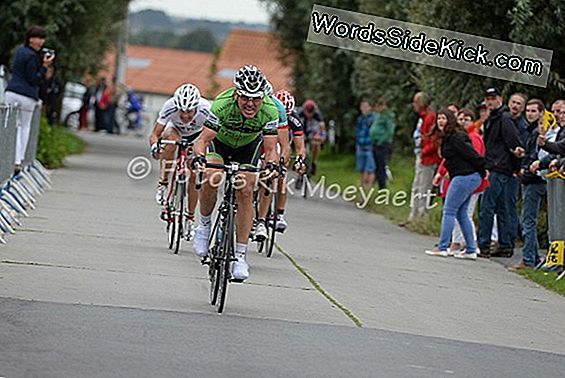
<point x="555" y="254"/>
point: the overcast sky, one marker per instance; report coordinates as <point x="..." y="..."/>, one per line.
<point x="225" y="10"/>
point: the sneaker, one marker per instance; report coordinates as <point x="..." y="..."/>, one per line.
<point x="436" y="252"/>
<point x="189" y="229"/>
<point x="261" y="231"/>
<point x="239" y="268"/>
<point x="160" y="195"/>
<point x="465" y="255"/>
<point x="200" y="245"/>
<point x="281" y="224"/>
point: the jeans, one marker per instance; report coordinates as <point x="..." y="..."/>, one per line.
<point x="458" y="236"/>
<point x="532" y="196"/>
<point x="511" y="194"/>
<point x="495" y="200"/>
<point x="381" y="154"/>
<point x="364" y="159"/>
<point x="456" y="204"/>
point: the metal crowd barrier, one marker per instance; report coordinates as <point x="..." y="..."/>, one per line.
<point x="556" y="209"/>
<point x="18" y="193"/>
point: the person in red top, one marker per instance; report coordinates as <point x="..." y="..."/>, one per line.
<point x="441" y="179"/>
<point x="427" y="157"/>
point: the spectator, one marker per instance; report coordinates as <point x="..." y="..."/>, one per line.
<point x="364" y="159"/>
<point x="135" y="106"/>
<point x="99" y="105"/>
<point x="314" y="129"/>
<point x="466" y="169"/>
<point x="465" y="120"/>
<point x="86" y="104"/>
<point x="28" y="69"/>
<point x="483" y="115"/>
<point x="382" y="134"/>
<point x="453" y="108"/>
<point x="556" y="146"/>
<point x="516" y="105"/>
<point x="427" y="158"/>
<point x="503" y="150"/>
<point x="533" y="189"/>
<point x="49" y="92"/>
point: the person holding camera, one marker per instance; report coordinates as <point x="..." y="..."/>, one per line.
<point x="28" y="69"/>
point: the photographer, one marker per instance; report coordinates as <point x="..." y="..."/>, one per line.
<point x="28" y="69"/>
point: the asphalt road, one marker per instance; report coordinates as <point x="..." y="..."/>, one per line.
<point x="88" y="288"/>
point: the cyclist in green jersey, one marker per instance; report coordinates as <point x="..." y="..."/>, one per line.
<point x="241" y="118"/>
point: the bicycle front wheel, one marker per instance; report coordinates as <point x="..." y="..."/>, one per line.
<point x="180" y="192"/>
<point x="272" y="225"/>
<point x="228" y="246"/>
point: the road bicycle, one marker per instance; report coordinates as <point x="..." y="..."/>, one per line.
<point x="175" y="211"/>
<point x="222" y="238"/>
<point x="271" y="186"/>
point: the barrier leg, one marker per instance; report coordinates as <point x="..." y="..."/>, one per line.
<point x="37" y="178"/>
<point x="13" y="202"/>
<point x="10" y="213"/>
<point x="17" y="187"/>
<point x="30" y="185"/>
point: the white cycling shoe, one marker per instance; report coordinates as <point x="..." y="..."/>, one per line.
<point x="160" y="195"/>
<point x="201" y="237"/>
<point x="281" y="224"/>
<point x="239" y="268"/>
<point x="260" y="232"/>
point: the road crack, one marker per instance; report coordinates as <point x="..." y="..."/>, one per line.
<point x="320" y="289"/>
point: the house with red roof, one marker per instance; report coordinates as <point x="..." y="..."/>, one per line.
<point x="154" y="72"/>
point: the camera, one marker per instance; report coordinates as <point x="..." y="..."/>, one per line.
<point x="47" y="52"/>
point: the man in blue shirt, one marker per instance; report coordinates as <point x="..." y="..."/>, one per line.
<point x="364" y="159"/>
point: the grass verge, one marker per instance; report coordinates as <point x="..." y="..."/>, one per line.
<point x="56" y="142"/>
<point x="391" y="203"/>
<point x="545" y="279"/>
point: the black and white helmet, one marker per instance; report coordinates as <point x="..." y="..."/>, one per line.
<point x="268" y="88"/>
<point x="250" y="81"/>
<point x="187" y="97"/>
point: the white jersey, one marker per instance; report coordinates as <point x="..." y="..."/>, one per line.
<point x="169" y="116"/>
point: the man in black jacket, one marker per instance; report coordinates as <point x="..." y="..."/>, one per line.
<point x="534" y="186"/>
<point x="503" y="153"/>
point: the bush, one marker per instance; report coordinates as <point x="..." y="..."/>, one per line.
<point x="56" y="142"/>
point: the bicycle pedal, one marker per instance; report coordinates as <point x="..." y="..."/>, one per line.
<point x="205" y="261"/>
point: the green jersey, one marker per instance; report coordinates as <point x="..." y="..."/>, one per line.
<point x="233" y="128"/>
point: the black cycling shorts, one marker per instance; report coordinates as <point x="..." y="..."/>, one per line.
<point x="248" y="154"/>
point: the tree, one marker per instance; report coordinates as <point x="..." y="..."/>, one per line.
<point x="80" y="31"/>
<point x="198" y="40"/>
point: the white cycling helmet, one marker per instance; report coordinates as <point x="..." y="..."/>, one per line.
<point x="186" y="97"/>
<point x="249" y="81"/>
<point x="268" y="88"/>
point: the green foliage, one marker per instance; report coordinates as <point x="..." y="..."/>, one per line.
<point x="197" y="40"/>
<point x="338" y="79"/>
<point x="80" y="31"/>
<point x="56" y="142"/>
<point x="545" y="279"/>
<point x="340" y="169"/>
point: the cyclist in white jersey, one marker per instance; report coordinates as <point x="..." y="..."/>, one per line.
<point x="182" y="116"/>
